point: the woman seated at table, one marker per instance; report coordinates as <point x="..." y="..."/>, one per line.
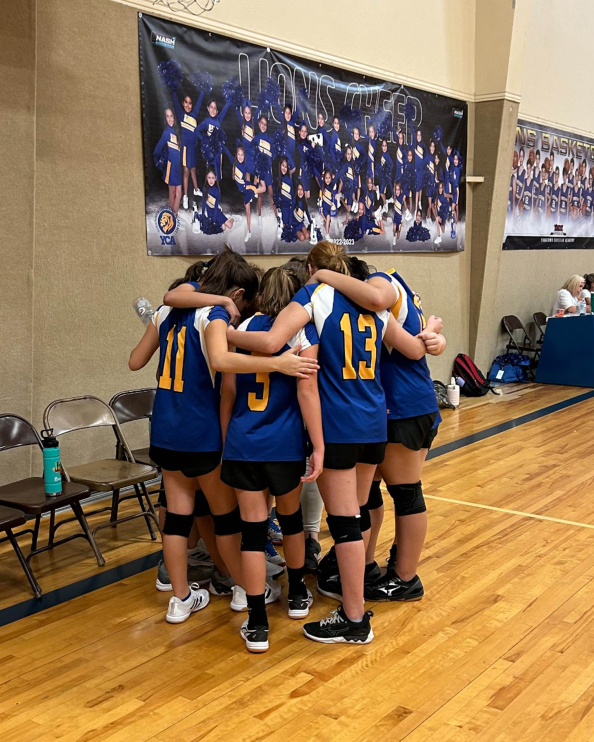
<point x="588" y="290"/>
<point x="568" y="296"/>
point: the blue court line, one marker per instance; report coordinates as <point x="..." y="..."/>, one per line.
<point x="129" y="569"/>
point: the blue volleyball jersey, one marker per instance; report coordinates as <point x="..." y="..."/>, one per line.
<point x="188" y="121"/>
<point x="576" y="197"/>
<point x="407" y="383"/>
<point x="266" y="424"/>
<point x="542" y="198"/>
<point x="186" y="409"/>
<point x="351" y="394"/>
<point x="555" y="190"/>
<point x="420" y="154"/>
<point x="520" y="178"/>
<point x="528" y="195"/>
<point x="565" y="193"/>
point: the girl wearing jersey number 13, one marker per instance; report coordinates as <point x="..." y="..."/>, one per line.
<point x="185" y="431"/>
<point x="353" y="418"/>
<point x="413" y="418"/>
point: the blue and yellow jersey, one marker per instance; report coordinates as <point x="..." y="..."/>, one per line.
<point x="399" y="206"/>
<point x="420" y="154"/>
<point x="286" y="190"/>
<point x="264" y="144"/>
<point x="351" y="394"/>
<point x="266" y="424"/>
<point x="301" y="211"/>
<point x="186" y="409"/>
<point x="407" y="383"/>
<point x="211" y="123"/>
<point x="455" y="175"/>
<point x="335" y="143"/>
<point x="188" y="121"/>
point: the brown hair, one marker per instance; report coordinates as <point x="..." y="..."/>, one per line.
<point x="229" y="271"/>
<point x="330" y="256"/>
<point x="194" y="273"/>
<point x="589" y="279"/>
<point x="278" y="287"/>
<point x="297" y="266"/>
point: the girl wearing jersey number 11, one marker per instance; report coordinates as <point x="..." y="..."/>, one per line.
<point x="413" y="419"/>
<point x="262" y="417"/>
<point x="353" y="418"/>
<point x="185" y="431"/>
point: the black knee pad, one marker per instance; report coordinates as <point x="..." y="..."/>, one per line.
<point x="177" y="525"/>
<point x="227" y="524"/>
<point x="291" y="524"/>
<point x="344" y="528"/>
<point x="254" y="535"/>
<point x="408" y="498"/>
<point x="365" y="521"/>
<point x="201" y="508"/>
<point x="375" y="500"/>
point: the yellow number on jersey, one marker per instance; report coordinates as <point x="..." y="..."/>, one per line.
<point x="365" y="322"/>
<point x="256" y="403"/>
<point x="165" y="378"/>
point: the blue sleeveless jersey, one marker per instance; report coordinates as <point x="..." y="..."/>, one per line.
<point x="407" y="382"/>
<point x="186" y="409"/>
<point x="266" y="424"/>
<point x="351" y="394"/>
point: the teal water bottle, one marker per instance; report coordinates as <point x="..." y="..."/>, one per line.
<point x="52" y="468"/>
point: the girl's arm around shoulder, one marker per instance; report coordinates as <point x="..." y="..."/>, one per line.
<point x="376" y="294"/>
<point x="228" y="392"/>
<point x="186" y="297"/>
<point x="309" y="402"/>
<point x="397" y="337"/>
<point x="292" y="318"/>
<point x="145" y="349"/>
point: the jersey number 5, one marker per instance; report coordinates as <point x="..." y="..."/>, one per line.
<point x="165" y="378"/>
<point x="256" y="403"/>
<point x="364" y="323"/>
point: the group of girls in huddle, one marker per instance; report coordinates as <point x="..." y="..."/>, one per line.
<point x="347" y="170"/>
<point x="334" y="369"/>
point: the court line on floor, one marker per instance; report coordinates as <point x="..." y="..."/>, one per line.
<point x="129" y="569"/>
<point x="536" y="516"/>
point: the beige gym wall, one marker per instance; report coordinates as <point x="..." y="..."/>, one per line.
<point x="17" y="155"/>
<point x="89" y="251"/>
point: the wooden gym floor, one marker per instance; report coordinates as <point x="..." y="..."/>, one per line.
<point x="501" y="649"/>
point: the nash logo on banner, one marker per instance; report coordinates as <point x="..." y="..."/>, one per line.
<point x="271" y="153"/>
<point x="550" y="191"/>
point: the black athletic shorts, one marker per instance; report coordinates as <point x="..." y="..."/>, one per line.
<point x="413" y="432"/>
<point x="201" y="507"/>
<point x="190" y="463"/>
<point x="278" y="477"/>
<point x="348" y="455"/>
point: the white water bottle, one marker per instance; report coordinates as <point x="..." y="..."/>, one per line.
<point x="454" y="393"/>
<point x="144" y="309"/>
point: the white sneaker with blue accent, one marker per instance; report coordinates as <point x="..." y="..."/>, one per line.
<point x="179" y="610"/>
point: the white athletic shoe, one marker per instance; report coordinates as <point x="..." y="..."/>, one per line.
<point x="394" y="240"/>
<point x="279" y="232"/>
<point x="260" y="221"/>
<point x="197" y="192"/>
<point x="407" y="215"/>
<point x="185" y="201"/>
<point x="354" y="207"/>
<point x="180" y="610"/>
<point x="247" y="237"/>
<point x="272" y="593"/>
<point x="196" y="226"/>
<point x="437" y="241"/>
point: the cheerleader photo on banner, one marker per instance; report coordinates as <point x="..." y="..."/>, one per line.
<point x="271" y="154"/>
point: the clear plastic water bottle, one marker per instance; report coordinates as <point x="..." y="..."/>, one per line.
<point x="144" y="309"/>
<point x="582" y="306"/>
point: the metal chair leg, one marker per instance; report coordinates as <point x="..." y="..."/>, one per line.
<point x="52" y="528"/>
<point x="78" y="511"/>
<point x="25" y="565"/>
<point x="144" y="510"/>
<point x="115" y="503"/>
<point x="151" y="507"/>
<point x="35" y="536"/>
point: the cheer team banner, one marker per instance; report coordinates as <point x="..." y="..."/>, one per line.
<point x="550" y="190"/>
<point x="270" y="153"/>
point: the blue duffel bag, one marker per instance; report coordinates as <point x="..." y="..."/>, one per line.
<point x="510" y="368"/>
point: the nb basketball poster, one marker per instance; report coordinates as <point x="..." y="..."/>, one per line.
<point x="550" y="190"/>
<point x="270" y="153"/>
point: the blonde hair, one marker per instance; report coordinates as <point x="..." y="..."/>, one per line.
<point x="330" y="256"/>
<point x="573" y="284"/>
<point x="277" y="288"/>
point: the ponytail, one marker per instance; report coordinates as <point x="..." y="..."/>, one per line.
<point x="330" y="256"/>
<point x="278" y="287"/>
<point x="229" y="271"/>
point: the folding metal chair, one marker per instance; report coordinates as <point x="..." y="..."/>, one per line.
<point x="512" y="324"/>
<point x="9" y="519"/>
<point x="540" y="321"/>
<point x="29" y="495"/>
<point x="105" y="475"/>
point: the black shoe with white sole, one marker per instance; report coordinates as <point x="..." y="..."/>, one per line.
<point x="299" y="605"/>
<point x="392" y="589"/>
<point x="330" y="586"/>
<point x="339" y="629"/>
<point x="312" y="554"/>
<point x="256" y="638"/>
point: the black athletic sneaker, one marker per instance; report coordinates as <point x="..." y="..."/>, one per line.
<point x="338" y="629"/>
<point x="391" y="560"/>
<point x="299" y="605"/>
<point x="328" y="563"/>
<point x="392" y="588"/>
<point x="330" y="585"/>
<point x="372" y="575"/>
<point x="256" y="639"/>
<point x="312" y="554"/>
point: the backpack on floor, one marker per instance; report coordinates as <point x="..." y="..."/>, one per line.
<point x="475" y="384"/>
<point x="441" y="392"/>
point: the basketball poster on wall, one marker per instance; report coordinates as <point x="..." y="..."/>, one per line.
<point x="271" y="153"/>
<point x="550" y="190"/>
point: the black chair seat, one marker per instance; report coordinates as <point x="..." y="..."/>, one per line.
<point x="29" y="495"/>
<point x="10" y="517"/>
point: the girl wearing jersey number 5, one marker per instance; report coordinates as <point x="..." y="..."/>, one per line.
<point x="413" y="418"/>
<point x="185" y="431"/>
<point x="353" y="418"/>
